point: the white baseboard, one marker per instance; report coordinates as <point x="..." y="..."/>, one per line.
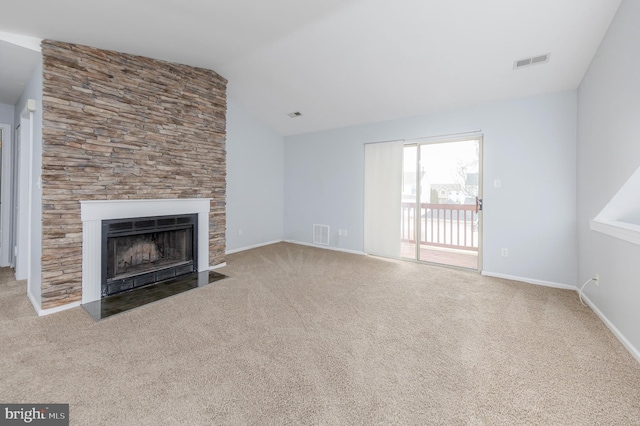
<point x="252" y="247"/>
<point x="326" y="247"/>
<point x="632" y="349"/>
<point x="219" y="265"/>
<point x="34" y="302"/>
<point x="43" y="312"/>
<point x="625" y="342"/>
<point x="529" y="280"/>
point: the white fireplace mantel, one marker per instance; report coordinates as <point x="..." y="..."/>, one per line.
<point x="93" y="212"/>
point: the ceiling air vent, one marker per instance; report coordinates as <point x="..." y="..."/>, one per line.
<point x="321" y="234"/>
<point x="540" y="59"/>
<point x="295" y="114"/>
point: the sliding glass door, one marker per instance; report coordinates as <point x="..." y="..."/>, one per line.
<point x="441" y="202"/>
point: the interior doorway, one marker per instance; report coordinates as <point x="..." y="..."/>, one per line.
<point x="15" y="198"/>
<point x="6" y="143"/>
<point x="442" y="202"/>
<point x="2" y="243"/>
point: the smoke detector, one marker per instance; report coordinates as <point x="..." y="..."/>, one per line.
<point x="533" y="60"/>
<point x="295" y="114"/>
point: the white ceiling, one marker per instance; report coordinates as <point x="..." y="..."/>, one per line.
<point x="339" y="62"/>
<point x="16" y="67"/>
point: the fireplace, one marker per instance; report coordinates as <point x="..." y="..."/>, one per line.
<point x="146" y="250"/>
<point x="95" y="212"/>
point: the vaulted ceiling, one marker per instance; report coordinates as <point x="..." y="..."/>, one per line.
<point x="338" y="62"/>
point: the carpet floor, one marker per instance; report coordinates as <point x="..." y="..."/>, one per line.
<point x="299" y="335"/>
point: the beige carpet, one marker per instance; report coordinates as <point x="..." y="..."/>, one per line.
<point x="299" y="335"/>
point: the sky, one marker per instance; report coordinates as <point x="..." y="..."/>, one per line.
<point x="441" y="160"/>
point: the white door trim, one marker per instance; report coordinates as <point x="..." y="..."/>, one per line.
<point x="5" y="194"/>
<point x="25" y="185"/>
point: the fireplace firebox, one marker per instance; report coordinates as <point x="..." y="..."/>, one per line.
<point x="141" y="251"/>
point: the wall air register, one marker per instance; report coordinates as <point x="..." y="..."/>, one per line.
<point x="321" y="234"/>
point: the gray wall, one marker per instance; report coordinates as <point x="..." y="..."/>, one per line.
<point x="6" y="114"/>
<point x="529" y="144"/>
<point x="255" y="164"/>
<point x="608" y="154"/>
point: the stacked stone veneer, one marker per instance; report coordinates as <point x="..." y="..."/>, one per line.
<point x="119" y="126"/>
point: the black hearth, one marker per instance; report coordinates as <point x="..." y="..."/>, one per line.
<point x="142" y="251"/>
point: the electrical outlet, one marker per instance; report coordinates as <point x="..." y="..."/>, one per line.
<point x="504" y="252"/>
<point x="340" y="232"/>
<point x="344" y="232"/>
<point x="596" y="279"/>
<point x="239" y="231"/>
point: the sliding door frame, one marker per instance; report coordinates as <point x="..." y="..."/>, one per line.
<point x="417" y="222"/>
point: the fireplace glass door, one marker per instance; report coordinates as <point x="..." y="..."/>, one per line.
<point x="137" y="254"/>
<point x="142" y="251"/>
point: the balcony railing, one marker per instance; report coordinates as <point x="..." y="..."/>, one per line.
<point x="442" y="225"/>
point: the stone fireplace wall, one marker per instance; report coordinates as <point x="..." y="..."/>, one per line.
<point x="119" y="126"/>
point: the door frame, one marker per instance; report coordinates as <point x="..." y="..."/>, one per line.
<point x="6" y="194"/>
<point x="480" y="212"/>
<point x="10" y="196"/>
